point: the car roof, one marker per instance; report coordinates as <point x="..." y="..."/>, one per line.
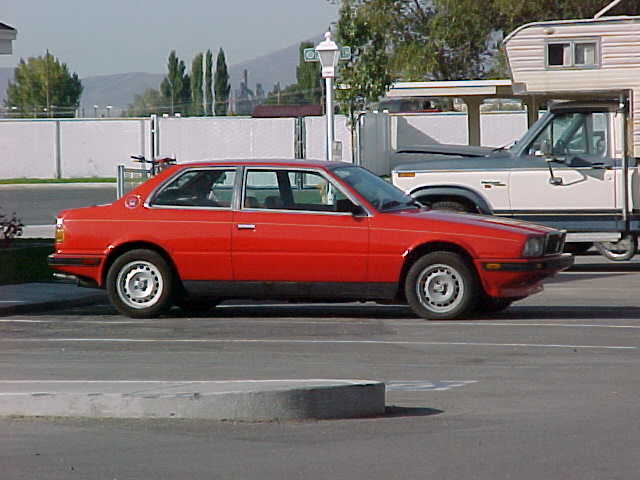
<point x="265" y="162"/>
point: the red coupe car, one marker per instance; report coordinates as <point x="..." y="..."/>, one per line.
<point x="200" y="233"/>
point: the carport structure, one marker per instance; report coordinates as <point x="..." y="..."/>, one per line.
<point x="7" y="36"/>
<point x="472" y="93"/>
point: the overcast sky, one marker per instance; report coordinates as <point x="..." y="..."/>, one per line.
<point x="97" y="37"/>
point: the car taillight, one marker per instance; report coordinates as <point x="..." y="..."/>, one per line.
<point x="59" y="231"/>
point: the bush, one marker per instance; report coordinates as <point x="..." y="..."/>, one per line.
<point x="10" y="227"/>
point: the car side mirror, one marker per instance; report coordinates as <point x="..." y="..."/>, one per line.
<point x="346" y="205"/>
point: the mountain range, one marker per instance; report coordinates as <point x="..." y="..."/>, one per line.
<point x="118" y="90"/>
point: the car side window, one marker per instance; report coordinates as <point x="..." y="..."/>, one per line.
<point x="291" y="190"/>
<point x="198" y="188"/>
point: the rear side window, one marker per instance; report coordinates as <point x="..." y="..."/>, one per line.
<point x="291" y="190"/>
<point x="198" y="188"/>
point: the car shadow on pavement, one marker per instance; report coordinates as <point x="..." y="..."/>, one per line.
<point x="564" y="313"/>
<point x="394" y="411"/>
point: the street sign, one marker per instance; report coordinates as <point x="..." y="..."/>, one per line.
<point x="310" y="54"/>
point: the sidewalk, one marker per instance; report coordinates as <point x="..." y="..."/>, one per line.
<point x="38" y="297"/>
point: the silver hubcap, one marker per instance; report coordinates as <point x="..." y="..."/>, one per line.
<point x="140" y="284"/>
<point x="440" y="288"/>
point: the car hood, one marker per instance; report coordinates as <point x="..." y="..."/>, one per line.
<point x="444" y="149"/>
<point x="506" y="227"/>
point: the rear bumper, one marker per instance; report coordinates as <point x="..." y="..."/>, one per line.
<point x="519" y="278"/>
<point x="86" y="268"/>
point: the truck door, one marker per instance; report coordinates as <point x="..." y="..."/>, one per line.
<point x="566" y="176"/>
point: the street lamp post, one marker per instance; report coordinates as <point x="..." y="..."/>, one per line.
<point x="109" y="107"/>
<point x="329" y="54"/>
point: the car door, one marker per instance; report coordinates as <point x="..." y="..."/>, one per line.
<point x="192" y="217"/>
<point x="579" y="191"/>
<point x="289" y="229"/>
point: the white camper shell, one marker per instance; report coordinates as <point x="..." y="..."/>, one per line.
<point x="596" y="58"/>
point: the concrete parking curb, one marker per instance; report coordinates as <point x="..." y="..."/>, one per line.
<point x="240" y="400"/>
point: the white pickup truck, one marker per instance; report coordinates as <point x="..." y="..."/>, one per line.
<point x="577" y="166"/>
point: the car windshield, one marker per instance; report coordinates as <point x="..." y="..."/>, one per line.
<point x="379" y="193"/>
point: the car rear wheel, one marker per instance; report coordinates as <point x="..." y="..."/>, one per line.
<point x="442" y="286"/>
<point x="139" y="284"/>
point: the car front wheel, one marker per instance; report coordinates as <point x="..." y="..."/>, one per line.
<point x="139" y="284"/>
<point x="442" y="286"/>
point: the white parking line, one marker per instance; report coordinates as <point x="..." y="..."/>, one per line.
<point x="310" y="342"/>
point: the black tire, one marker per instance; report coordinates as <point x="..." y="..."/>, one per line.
<point x="451" y="205"/>
<point x="442" y="286"/>
<point x="140" y="284"/>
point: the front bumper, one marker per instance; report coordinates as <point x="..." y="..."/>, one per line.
<point x="555" y="264"/>
<point x="519" y="278"/>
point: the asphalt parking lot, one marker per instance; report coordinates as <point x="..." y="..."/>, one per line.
<point x="547" y="389"/>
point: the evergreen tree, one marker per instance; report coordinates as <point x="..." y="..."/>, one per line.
<point x="172" y="85"/>
<point x="222" y="86"/>
<point x="43" y="87"/>
<point x="197" y="107"/>
<point x="208" y="83"/>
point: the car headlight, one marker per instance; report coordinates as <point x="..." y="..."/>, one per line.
<point x="533" y="247"/>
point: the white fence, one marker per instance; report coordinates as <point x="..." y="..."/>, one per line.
<point x="94" y="147"/>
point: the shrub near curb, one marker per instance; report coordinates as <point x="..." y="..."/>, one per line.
<point x="25" y="261"/>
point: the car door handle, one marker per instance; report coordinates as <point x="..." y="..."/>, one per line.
<point x="246" y="226"/>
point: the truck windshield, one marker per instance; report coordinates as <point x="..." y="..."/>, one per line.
<point x="380" y="194"/>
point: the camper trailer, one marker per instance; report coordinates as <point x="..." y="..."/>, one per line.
<point x="577" y="166"/>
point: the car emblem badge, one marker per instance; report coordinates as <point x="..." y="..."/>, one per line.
<point x="132" y="201"/>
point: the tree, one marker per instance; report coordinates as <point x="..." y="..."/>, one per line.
<point x="175" y="87"/>
<point x="208" y="83"/>
<point x="221" y="85"/>
<point x="151" y="101"/>
<point x="367" y="75"/>
<point x="197" y="107"/>
<point x="43" y="87"/>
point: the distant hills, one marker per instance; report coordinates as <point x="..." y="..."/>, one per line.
<point x="118" y="90"/>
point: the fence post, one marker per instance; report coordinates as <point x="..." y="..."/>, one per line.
<point x="58" y="158"/>
<point x="300" y="138"/>
<point x="120" y="181"/>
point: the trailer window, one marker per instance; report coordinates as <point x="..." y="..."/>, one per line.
<point x="572" y="54"/>
<point x="559" y="54"/>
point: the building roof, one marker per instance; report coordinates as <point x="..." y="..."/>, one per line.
<point x="278" y="111"/>
<point x="4" y="26"/>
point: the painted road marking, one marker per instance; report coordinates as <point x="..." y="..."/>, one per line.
<point x="425" y="385"/>
<point x="310" y="342"/>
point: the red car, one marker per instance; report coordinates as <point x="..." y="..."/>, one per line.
<point x="200" y="233"/>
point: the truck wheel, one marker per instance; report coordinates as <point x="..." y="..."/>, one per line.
<point x="451" y="205"/>
<point x="441" y="286"/>
<point x="139" y="284"/>
<point x="623" y="249"/>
